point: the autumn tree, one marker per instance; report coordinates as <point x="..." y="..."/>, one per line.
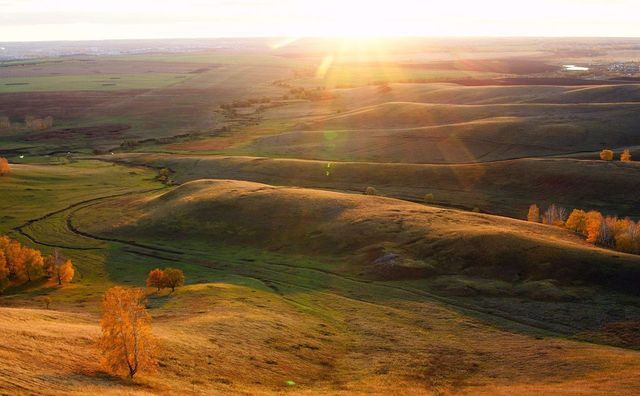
<point x="46" y="301"/>
<point x="33" y="264"/>
<point x="59" y="268"/>
<point x="593" y="221"/>
<point x="127" y="344"/>
<point x="534" y="214"/>
<point x="370" y="191"/>
<point x="554" y="215"/>
<point x="625" y="156"/>
<point x="15" y="256"/>
<point x="5" y="123"/>
<point x="156" y="279"/>
<point x="173" y="278"/>
<point x="577" y="222"/>
<point x="606" y="155"/>
<point x="5" y="169"/>
<point x="4" y="272"/>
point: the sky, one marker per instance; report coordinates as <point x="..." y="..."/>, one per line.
<point x="36" y="20"/>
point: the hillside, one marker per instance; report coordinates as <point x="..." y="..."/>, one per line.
<point x="381" y="237"/>
<point x="412" y="132"/>
<point x="506" y="187"/>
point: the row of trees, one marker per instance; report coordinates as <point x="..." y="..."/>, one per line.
<point x="31" y="122"/>
<point x="127" y="344"/>
<point x="607" y="155"/>
<point x="20" y="264"/>
<point x="38" y="124"/>
<point x="607" y="231"/>
<point x="168" y="277"/>
<point x="5" y="123"/>
<point x="5" y="169"/>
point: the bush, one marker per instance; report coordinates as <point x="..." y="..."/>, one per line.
<point x="5" y="169"/>
<point x="625" y="156"/>
<point x="370" y="191"/>
<point x="534" y="214"/>
<point x="428" y="198"/>
<point x="606" y="155"/>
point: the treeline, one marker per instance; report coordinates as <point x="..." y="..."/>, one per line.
<point x="20" y="264"/>
<point x="30" y="122"/>
<point x="607" y="231"/>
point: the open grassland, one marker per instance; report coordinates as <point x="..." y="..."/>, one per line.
<point x="434" y="133"/>
<point x="381" y="239"/>
<point x="341" y="76"/>
<point x="32" y="191"/>
<point x="506" y="187"/>
<point x="247" y="339"/>
<point x="89" y="82"/>
<point x="437" y="123"/>
<point x="251" y="318"/>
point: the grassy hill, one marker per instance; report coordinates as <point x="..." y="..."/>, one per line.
<point x="505" y="187"/>
<point x="412" y="132"/>
<point x="252" y="319"/>
<point x="381" y="237"/>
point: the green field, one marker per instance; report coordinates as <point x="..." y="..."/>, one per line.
<point x="90" y="82"/>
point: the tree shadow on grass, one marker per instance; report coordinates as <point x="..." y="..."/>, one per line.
<point x="88" y="379"/>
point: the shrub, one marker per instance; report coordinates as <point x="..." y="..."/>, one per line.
<point x="554" y="215"/>
<point x="428" y="198"/>
<point x="625" y="156"/>
<point x="370" y="191"/>
<point x="606" y="155"/>
<point x="5" y="123"/>
<point x="5" y="169"/>
<point x="534" y="214"/>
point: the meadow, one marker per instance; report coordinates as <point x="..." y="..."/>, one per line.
<point x="347" y="227"/>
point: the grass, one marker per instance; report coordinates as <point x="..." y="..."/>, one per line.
<point x="341" y="75"/>
<point x="252" y="320"/>
<point x="282" y="296"/>
<point x="31" y="191"/>
<point x="90" y="82"/>
<point x="505" y="188"/>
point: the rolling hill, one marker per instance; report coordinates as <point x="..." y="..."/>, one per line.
<point x="381" y="237"/>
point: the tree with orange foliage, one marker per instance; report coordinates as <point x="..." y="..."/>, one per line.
<point x="534" y="214"/>
<point x="5" y="169"/>
<point x="59" y="268"/>
<point x="33" y="264"/>
<point x="606" y="155"/>
<point x="577" y="222"/>
<point x="625" y="156"/>
<point x="127" y="344"/>
<point x="156" y="278"/>
<point x="15" y="255"/>
<point x="4" y="272"/>
<point x="173" y="278"/>
<point x="593" y="221"/>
